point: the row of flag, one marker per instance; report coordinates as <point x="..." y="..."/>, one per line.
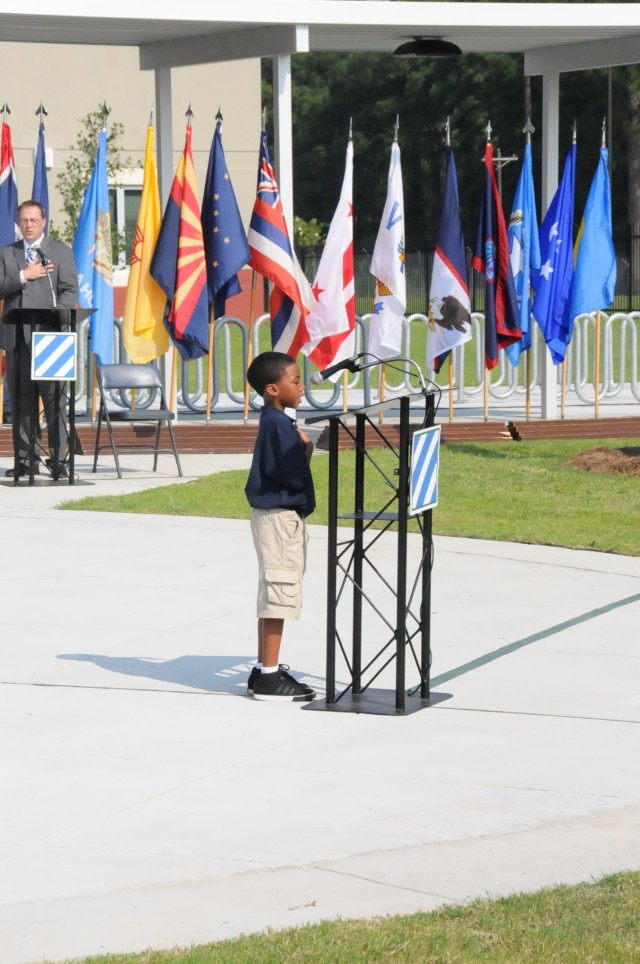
<point x="529" y="272"/>
<point x="184" y="265"/>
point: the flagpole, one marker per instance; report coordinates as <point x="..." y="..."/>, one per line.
<point x="451" y="386"/>
<point x="212" y="322"/>
<point x="597" y="365"/>
<point x="528" y="130"/>
<point x="563" y="387"/>
<point x="174" y="380"/>
<point x="1" y="385"/>
<point x="485" y="387"/>
<point x="250" y="344"/>
<point x="345" y="391"/>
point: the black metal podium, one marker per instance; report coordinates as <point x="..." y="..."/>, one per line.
<point x="44" y="320"/>
<point x="397" y="602"/>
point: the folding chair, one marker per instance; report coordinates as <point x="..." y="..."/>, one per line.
<point x="135" y="378"/>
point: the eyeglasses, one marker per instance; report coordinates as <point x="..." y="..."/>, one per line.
<point x="30" y="220"/>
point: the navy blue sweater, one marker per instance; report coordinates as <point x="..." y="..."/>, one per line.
<point x="280" y="477"/>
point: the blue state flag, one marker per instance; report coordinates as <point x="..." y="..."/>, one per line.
<point x="92" y="254"/>
<point x="524" y="252"/>
<point x="40" y="189"/>
<point x="225" y="241"/>
<point x="594" y="281"/>
<point x="553" y="282"/>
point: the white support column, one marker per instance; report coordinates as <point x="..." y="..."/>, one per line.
<point x="164" y="132"/>
<point x="164" y="153"/>
<point x="550" y="125"/>
<point x="283" y="121"/>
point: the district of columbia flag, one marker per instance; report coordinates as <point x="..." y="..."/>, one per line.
<point x="594" y="281"/>
<point x="387" y="264"/>
<point x="553" y="283"/>
<point x="225" y="241"/>
<point x="92" y="255"/>
<point x="272" y="256"/>
<point x="178" y="263"/>
<point x="524" y="252"/>
<point x="40" y="189"/>
<point x="491" y="256"/>
<point x="8" y="191"/>
<point x="449" y="304"/>
<point x="143" y="331"/>
<point x="331" y="322"/>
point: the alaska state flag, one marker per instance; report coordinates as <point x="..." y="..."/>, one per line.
<point x="178" y="263"/>
<point x="491" y="256"/>
<point x="387" y="264"/>
<point x="40" y="189"/>
<point x="272" y="256"/>
<point x="8" y="191"/>
<point x="92" y="255"/>
<point x="143" y="331"/>
<point x="225" y="241"/>
<point x="449" y="304"/>
<point x="524" y="252"/>
<point x="331" y="323"/>
<point x="552" y="284"/>
<point x="594" y="280"/>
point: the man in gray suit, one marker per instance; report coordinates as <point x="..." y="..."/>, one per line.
<point x="36" y="272"/>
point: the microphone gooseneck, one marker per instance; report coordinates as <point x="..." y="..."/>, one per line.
<point x="43" y="259"/>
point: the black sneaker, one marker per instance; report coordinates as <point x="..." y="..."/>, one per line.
<point x="253" y="675"/>
<point x="281" y="687"/>
<point x="291" y="679"/>
<point x="23" y="470"/>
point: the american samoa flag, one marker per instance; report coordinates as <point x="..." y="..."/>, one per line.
<point x="272" y="256"/>
<point x="449" y="304"/>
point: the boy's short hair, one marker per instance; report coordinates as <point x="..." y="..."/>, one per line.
<point x="267" y="369"/>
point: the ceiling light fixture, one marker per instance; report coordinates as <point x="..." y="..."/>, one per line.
<point x="427" y="47"/>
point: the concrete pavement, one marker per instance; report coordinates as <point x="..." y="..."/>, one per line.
<point x="146" y="801"/>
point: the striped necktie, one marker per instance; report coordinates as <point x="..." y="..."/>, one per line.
<point x="30" y="255"/>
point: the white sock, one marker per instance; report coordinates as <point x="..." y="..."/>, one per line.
<point x="269" y="669"/>
<point x="258" y="666"/>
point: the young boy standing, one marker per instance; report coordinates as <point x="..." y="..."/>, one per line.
<point x="280" y="491"/>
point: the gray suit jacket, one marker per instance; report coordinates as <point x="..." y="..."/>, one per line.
<point x="35" y="294"/>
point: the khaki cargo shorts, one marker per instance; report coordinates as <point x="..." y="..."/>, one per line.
<point x="280" y="537"/>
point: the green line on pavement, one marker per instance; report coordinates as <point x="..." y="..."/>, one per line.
<point x="519" y="643"/>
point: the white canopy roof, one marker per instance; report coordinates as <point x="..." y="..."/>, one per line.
<point x="170" y="34"/>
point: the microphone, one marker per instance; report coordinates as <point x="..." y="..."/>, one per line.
<point x="351" y="365"/>
<point x="43" y="259"/>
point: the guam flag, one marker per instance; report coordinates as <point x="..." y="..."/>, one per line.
<point x="491" y="256"/>
<point x="449" y="304"/>
<point x="524" y="252"/>
<point x="272" y="256"/>
<point x="178" y="263"/>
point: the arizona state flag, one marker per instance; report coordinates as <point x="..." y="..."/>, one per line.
<point x="143" y="331"/>
<point x="491" y="256"/>
<point x="178" y="263"/>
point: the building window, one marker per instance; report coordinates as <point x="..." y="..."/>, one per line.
<point x="124" y="203"/>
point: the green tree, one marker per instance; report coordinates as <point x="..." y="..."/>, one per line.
<point x="73" y="178"/>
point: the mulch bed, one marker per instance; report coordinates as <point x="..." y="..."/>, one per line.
<point x="623" y="461"/>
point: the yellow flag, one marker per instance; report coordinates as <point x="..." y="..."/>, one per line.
<point x="143" y="332"/>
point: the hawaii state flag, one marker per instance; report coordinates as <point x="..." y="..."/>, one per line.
<point x="40" y="189"/>
<point x="178" y="263"/>
<point x="552" y="284"/>
<point x="272" y="256"/>
<point x="225" y="241"/>
<point x="143" y="331"/>
<point x="92" y="255"/>
<point x="331" y="323"/>
<point x="8" y="191"/>
<point x="387" y="264"/>
<point x="449" y="304"/>
<point x="594" y="280"/>
<point x="491" y="256"/>
<point x="524" y="252"/>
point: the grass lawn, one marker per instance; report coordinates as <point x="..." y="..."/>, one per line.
<point x="595" y="922"/>
<point x="510" y="491"/>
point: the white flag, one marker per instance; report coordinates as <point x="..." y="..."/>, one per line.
<point x="387" y="264"/>
<point x="334" y="287"/>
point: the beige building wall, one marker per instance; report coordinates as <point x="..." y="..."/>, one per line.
<point x="73" y="80"/>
